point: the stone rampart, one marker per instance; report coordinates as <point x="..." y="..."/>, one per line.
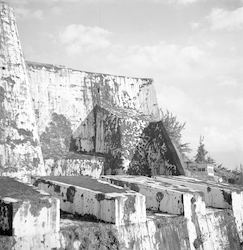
<point x="20" y="152"/>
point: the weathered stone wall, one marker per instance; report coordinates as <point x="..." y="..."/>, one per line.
<point x="20" y="152"/>
<point x="75" y="165"/>
<point x="74" y="94"/>
<point x="90" y="113"/>
<point x="156" y="150"/>
<point x="101" y="114"/>
<point x="76" y="113"/>
<point x="118" y="133"/>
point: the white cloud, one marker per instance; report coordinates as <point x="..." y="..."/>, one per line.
<point x="169" y="60"/>
<point x="78" y="38"/>
<point x="211" y="43"/>
<point x="186" y="1"/>
<point x="218" y="141"/>
<point x="23" y="13"/>
<point x="220" y="19"/>
<point x="237" y="104"/>
<point x="227" y="81"/>
<point x="223" y="141"/>
<point x="194" y="25"/>
<point x="24" y="2"/>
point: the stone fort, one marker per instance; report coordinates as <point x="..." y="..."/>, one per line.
<point x="83" y="163"/>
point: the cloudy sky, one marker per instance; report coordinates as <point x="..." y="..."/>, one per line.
<point x="191" y="48"/>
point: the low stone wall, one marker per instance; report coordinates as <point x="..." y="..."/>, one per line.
<point x="217" y="195"/>
<point x="94" y="199"/>
<point x="25" y="211"/>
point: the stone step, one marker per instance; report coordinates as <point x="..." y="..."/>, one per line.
<point x="217" y="195"/>
<point x="160" y="196"/>
<point x="25" y="211"/>
<point x="95" y="199"/>
<point x="165" y="197"/>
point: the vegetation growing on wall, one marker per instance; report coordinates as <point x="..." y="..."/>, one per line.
<point x="55" y="141"/>
<point x="174" y="129"/>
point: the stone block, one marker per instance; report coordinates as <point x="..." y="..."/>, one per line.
<point x="217" y="230"/>
<point x="217" y="195"/>
<point x="160" y="196"/>
<point x="95" y="199"/>
<point x="25" y="211"/>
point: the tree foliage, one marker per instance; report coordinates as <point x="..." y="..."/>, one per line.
<point x="174" y="129"/>
<point x="201" y="152"/>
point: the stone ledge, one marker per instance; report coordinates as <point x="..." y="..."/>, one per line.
<point x="160" y="196"/>
<point x="25" y="211"/>
<point x="92" y="198"/>
<point x="217" y="195"/>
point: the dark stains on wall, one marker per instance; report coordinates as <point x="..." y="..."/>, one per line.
<point x="55" y="141"/>
<point x="11" y="82"/>
<point x="6" y="219"/>
<point x="2" y="114"/>
<point x="25" y="136"/>
<point x="56" y="187"/>
<point x="37" y="206"/>
<point x="155" y="153"/>
<point x="83" y="138"/>
<point x="92" y="236"/>
<point x="227" y="197"/>
<point x="197" y="243"/>
<point x="100" y="197"/>
<point x="129" y="208"/>
<point x="228" y="222"/>
<point x="71" y="193"/>
<point x="159" y="196"/>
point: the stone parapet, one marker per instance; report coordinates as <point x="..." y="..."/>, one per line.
<point x="95" y="199"/>
<point x="217" y="195"/>
<point x="25" y="211"/>
<point x="160" y="196"/>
